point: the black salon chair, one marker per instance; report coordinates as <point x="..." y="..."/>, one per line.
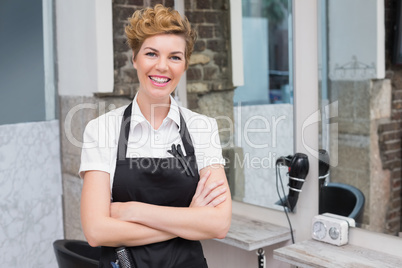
<point x="76" y="254"/>
<point x="342" y="199"/>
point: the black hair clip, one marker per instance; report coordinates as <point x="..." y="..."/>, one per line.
<point x="178" y="153"/>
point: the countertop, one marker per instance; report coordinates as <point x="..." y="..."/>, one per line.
<point x="250" y="234"/>
<point x="313" y="253"/>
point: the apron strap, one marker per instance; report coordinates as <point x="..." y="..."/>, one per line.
<point x="124" y="131"/>
<point x="185" y="137"/>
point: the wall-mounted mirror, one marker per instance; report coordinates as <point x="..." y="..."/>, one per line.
<point x="360" y="127"/>
<point x="263" y="106"/>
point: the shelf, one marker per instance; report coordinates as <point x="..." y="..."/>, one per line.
<point x="313" y="253"/>
<point x="250" y="234"/>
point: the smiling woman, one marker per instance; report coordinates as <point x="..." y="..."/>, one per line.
<point x="164" y="198"/>
<point x="160" y="63"/>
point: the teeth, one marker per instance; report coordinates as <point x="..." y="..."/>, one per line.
<point x="159" y="79"/>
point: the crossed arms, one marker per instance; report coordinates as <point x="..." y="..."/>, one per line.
<point x="135" y="223"/>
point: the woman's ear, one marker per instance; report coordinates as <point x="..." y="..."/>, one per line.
<point x="134" y="63"/>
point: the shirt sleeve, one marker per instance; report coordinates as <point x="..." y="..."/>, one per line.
<point x="96" y="152"/>
<point x="207" y="145"/>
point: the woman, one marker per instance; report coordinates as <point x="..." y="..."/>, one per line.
<point x="160" y="164"/>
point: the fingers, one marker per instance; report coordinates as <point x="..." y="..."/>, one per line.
<point x="211" y="194"/>
<point x="216" y="197"/>
<point x="217" y="201"/>
<point x="201" y="183"/>
<point x="208" y="189"/>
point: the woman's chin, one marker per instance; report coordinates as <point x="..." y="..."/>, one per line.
<point x="159" y="93"/>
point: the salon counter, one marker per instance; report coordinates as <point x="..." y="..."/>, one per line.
<point x="311" y="253"/>
<point x="250" y="234"/>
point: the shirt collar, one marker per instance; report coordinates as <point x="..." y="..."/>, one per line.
<point x="174" y="112"/>
<point x="137" y="117"/>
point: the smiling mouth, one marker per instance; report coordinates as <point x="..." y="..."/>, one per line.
<point x="159" y="80"/>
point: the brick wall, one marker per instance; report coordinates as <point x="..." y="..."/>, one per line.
<point x="209" y="67"/>
<point x="390" y="133"/>
<point x="209" y="78"/>
<point x="125" y="76"/>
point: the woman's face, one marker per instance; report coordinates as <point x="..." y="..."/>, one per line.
<point x="160" y="63"/>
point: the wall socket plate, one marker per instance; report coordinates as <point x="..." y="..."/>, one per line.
<point x="331" y="228"/>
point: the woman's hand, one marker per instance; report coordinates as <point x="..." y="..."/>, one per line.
<point x="210" y="195"/>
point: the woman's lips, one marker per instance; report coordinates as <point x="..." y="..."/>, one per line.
<point x="159" y="81"/>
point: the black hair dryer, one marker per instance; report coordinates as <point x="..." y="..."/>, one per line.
<point x="298" y="169"/>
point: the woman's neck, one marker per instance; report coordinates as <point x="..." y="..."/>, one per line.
<point x="154" y="111"/>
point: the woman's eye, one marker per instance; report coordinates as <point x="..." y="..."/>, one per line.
<point x="175" y="58"/>
<point x="151" y="54"/>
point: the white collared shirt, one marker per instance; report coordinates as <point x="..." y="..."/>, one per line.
<point x="101" y="135"/>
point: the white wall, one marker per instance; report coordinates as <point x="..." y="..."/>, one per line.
<point x="84" y="46"/>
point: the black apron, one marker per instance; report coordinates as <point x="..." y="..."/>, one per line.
<point x="158" y="181"/>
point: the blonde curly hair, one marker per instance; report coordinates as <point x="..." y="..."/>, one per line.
<point x="149" y="21"/>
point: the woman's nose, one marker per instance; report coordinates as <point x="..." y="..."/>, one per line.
<point x="162" y="64"/>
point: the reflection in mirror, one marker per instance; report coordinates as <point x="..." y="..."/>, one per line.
<point x="360" y="118"/>
<point x="263" y="106"/>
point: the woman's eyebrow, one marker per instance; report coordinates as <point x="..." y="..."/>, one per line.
<point x="177" y="52"/>
<point x="155" y="50"/>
